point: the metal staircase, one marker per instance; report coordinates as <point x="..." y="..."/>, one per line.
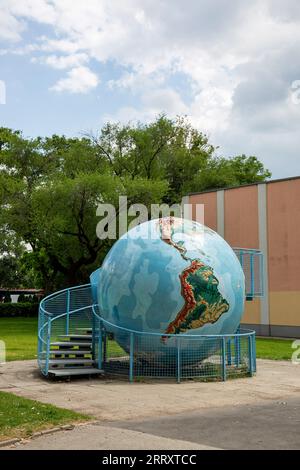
<point x="72" y="355"/>
<point x="66" y="334"/>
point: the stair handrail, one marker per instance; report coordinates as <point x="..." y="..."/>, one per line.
<point x="55" y="294"/>
<point x="247" y="250"/>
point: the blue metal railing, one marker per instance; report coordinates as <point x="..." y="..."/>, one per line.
<point x="65" y="311"/>
<point x="252" y="263"/>
<point x="228" y="354"/>
<point x="231" y="354"/>
<point x="61" y="313"/>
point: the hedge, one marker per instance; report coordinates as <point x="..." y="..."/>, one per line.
<point x="19" y="309"/>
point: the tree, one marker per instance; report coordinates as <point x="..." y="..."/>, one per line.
<point x="51" y="187"/>
<point x="8" y="271"/>
<point x="222" y="173"/>
<point x="175" y="152"/>
<point x="51" y="205"/>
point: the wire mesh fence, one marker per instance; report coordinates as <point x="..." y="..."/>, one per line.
<point x="139" y="355"/>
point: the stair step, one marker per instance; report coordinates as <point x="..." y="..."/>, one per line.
<point x="70" y="343"/>
<point x="77" y="337"/>
<point x="75" y="352"/>
<point x="87" y="330"/>
<point x="69" y="360"/>
<point x="75" y="371"/>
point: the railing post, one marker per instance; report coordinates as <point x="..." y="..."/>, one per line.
<point x="241" y="257"/>
<point x="93" y="334"/>
<point x="68" y="313"/>
<point x="237" y="347"/>
<point x="250" y="354"/>
<point x="252" y="274"/>
<point x="254" y="351"/>
<point x="229" y="351"/>
<point x="262" y="276"/>
<point x="105" y="345"/>
<point x="178" y="360"/>
<point x="223" y="359"/>
<point x="40" y="322"/>
<point x="48" y="346"/>
<point x="100" y="345"/>
<point x="131" y="357"/>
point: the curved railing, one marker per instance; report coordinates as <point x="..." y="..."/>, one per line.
<point x="143" y="354"/>
<point x="62" y="312"/>
<point x="139" y="353"/>
<point x="213" y="357"/>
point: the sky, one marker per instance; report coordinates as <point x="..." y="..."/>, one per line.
<point x="232" y="67"/>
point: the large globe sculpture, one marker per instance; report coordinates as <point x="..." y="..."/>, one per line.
<point x="171" y="276"/>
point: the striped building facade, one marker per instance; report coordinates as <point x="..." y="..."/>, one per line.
<point x="264" y="216"/>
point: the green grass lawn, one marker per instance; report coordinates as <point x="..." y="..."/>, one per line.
<point x="20" y="336"/>
<point x="114" y="350"/>
<point x="20" y="417"/>
<point x="278" y="349"/>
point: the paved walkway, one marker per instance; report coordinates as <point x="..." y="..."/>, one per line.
<point x="258" y="412"/>
<point x="101" y="437"/>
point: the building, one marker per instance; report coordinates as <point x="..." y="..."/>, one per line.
<point x="264" y="216"/>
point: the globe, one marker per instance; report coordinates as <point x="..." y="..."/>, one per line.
<point x="171" y="278"/>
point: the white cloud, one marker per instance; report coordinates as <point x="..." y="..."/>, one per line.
<point x="154" y="102"/>
<point x="236" y="60"/>
<point x="78" y="80"/>
<point x="63" y="61"/>
<point x="164" y="100"/>
<point x="136" y="81"/>
<point x="10" y="28"/>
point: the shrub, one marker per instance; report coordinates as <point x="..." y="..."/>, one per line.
<point x="21" y="298"/>
<point x="7" y="298"/>
<point x="24" y="309"/>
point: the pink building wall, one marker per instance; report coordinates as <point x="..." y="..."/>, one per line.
<point x="264" y="216"/>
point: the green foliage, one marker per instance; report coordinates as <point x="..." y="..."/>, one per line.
<point x="222" y="173"/>
<point x="18" y="309"/>
<point x="7" y="298"/>
<point x="8" y="271"/>
<point x="51" y="187"/>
